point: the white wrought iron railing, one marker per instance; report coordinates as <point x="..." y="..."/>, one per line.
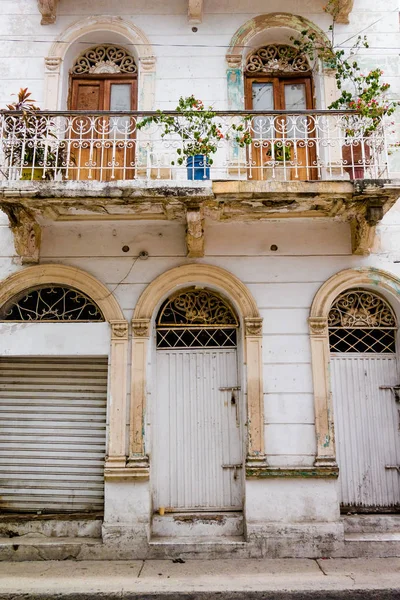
<point x="108" y="146"/>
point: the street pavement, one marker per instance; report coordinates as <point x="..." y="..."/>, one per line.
<point x="233" y="579"/>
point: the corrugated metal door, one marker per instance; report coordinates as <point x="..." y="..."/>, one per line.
<point x="367" y="421"/>
<point x="197" y="434"/>
<point x="52" y="434"/>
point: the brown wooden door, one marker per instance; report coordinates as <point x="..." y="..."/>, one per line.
<point x="105" y="146"/>
<point x="285" y="147"/>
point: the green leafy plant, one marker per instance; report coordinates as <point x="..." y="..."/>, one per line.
<point x="364" y="93"/>
<point x="28" y="140"/>
<point x="281" y="152"/>
<point x="197" y="127"/>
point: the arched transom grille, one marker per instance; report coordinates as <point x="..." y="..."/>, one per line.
<point x="196" y="319"/>
<point x="51" y="303"/>
<point x="361" y="321"/>
<point x="105" y="59"/>
<point x="277" y="58"/>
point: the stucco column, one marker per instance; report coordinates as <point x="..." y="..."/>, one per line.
<point x="255" y="393"/>
<point x="322" y="393"/>
<point x="141" y="331"/>
<point x="51" y="82"/>
<point x="234" y="76"/>
<point x="116" y="451"/>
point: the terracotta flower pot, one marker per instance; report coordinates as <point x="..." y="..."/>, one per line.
<point x="356" y="155"/>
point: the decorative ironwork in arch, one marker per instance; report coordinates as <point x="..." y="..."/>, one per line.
<point x="106" y="58"/>
<point x="362" y="321"/>
<point x="196" y="318"/>
<point x="277" y="58"/>
<point x="51" y="303"/>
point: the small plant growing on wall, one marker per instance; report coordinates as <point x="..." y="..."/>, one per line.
<point x="365" y="93"/>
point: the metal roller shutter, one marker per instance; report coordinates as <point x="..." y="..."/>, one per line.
<point x="52" y="434"/>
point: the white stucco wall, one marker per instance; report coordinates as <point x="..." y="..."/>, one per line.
<point x="283" y="284"/>
<point x="187" y="62"/>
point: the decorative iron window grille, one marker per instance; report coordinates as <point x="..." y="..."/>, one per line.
<point x="196" y="319"/>
<point x="104" y="59"/>
<point x="363" y="322"/>
<point x="277" y="58"/>
<point x="51" y="303"/>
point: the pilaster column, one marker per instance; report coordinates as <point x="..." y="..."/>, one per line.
<point x="140" y="340"/>
<point x="322" y="393"/>
<point x="116" y="451"/>
<point x="255" y="393"/>
<point x="51" y="82"/>
<point x="234" y="75"/>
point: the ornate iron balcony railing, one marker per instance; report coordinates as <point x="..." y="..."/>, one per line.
<point x="108" y="146"/>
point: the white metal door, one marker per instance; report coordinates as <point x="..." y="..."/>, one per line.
<point x="52" y="434"/>
<point x="367" y="425"/>
<point x="197" y="434"/>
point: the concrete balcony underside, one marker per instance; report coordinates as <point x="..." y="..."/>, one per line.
<point x="362" y="203"/>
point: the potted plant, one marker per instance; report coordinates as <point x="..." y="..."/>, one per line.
<point x="279" y="154"/>
<point x="365" y="94"/>
<point x="29" y="143"/>
<point x="199" y="133"/>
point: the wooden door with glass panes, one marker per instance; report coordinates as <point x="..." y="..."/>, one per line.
<point x="285" y="145"/>
<point x="104" y="149"/>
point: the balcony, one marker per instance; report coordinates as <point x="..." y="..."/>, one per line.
<point x="68" y="165"/>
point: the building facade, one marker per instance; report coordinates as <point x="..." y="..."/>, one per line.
<point x="196" y="364"/>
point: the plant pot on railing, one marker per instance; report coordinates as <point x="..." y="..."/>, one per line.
<point x="198" y="167"/>
<point x="356" y="156"/>
<point x="30" y="174"/>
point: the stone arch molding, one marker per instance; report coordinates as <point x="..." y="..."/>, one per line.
<point x="118" y="360"/>
<point x="320" y="355"/>
<point x="250" y="35"/>
<point x="142" y="50"/>
<point x="242" y="38"/>
<point x="240" y="296"/>
<point x="63" y="275"/>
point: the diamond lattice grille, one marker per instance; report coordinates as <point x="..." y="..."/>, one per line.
<point x="362" y="322"/>
<point x="196" y="319"/>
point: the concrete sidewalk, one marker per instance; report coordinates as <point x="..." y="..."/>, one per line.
<point x="268" y="579"/>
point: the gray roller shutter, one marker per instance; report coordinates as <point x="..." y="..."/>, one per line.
<point x="52" y="434"/>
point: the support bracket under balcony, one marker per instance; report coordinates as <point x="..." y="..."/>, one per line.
<point x="363" y="226"/>
<point x="48" y="10"/>
<point x="340" y="10"/>
<point x="195" y="232"/>
<point x="195" y="11"/>
<point x="26" y="231"/>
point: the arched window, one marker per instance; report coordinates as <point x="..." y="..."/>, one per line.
<point x="363" y="322"/>
<point x="51" y="303"/>
<point x="278" y="77"/>
<point x="103" y="77"/>
<point x="103" y="59"/>
<point x="196" y="319"/>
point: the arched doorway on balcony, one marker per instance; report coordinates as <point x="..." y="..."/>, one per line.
<point x="103" y="78"/>
<point x="279" y="78"/>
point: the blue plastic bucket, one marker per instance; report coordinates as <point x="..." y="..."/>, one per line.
<point x="197" y="167"/>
